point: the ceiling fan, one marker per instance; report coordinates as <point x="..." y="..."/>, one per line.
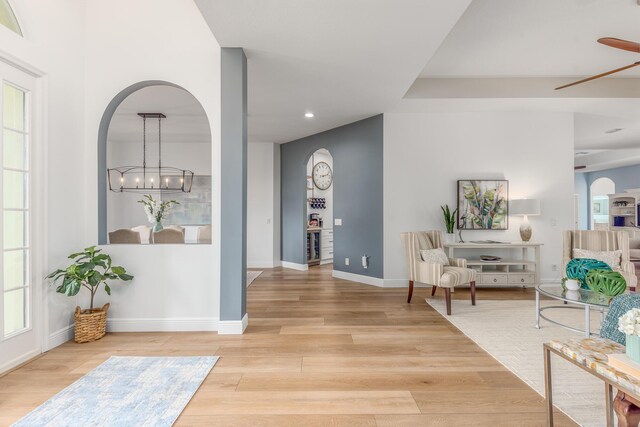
<point x="618" y="44"/>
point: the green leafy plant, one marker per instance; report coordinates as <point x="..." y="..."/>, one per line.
<point x="90" y="269"/>
<point x="449" y="217"/>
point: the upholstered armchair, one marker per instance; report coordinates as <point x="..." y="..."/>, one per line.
<point x="598" y="240"/>
<point x="434" y="273"/>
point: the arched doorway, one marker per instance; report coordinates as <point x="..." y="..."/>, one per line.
<point x="599" y="203"/>
<point x="319" y="208"/>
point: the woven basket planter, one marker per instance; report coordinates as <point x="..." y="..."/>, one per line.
<point x="91" y="325"/>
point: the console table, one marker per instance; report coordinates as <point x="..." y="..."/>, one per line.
<point x="522" y="270"/>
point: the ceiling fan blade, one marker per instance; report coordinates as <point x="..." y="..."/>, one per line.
<point x="579" y="167"/>
<point x="588" y="79"/>
<point x="620" y="44"/>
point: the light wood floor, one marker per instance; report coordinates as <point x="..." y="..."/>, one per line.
<point x="318" y="352"/>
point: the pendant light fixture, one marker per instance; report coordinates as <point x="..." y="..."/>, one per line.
<point x="150" y="179"/>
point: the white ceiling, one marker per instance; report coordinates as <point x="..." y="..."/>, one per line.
<point x="186" y="119"/>
<point x="536" y="42"/>
<point x="341" y="60"/>
<point x="529" y="38"/>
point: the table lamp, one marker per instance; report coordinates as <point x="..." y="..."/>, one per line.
<point x="525" y="207"/>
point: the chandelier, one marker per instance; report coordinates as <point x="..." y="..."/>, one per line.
<point x="150" y="179"/>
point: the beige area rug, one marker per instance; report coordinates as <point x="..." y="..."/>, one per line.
<point x="251" y="276"/>
<point x="506" y="330"/>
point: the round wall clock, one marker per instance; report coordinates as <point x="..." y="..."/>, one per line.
<point x="322" y="175"/>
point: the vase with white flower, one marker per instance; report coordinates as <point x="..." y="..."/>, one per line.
<point x="629" y="324"/>
<point x="156" y="210"/>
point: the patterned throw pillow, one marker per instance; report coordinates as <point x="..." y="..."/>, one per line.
<point x="434" y="256"/>
<point x="611" y="258"/>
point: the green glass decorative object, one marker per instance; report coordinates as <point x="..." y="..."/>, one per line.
<point x="578" y="268"/>
<point x="606" y="282"/>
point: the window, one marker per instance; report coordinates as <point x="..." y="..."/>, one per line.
<point x="8" y="18"/>
<point x="15" y="209"/>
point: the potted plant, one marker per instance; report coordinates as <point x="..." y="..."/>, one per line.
<point x="90" y="269"/>
<point x="449" y="222"/>
<point x="571" y="284"/>
<point x="156" y="210"/>
<point x="629" y="324"/>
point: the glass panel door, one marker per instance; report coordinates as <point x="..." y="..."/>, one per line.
<point x="15" y="209"/>
<point x="19" y="331"/>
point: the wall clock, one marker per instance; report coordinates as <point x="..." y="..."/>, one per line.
<point x="322" y="175"/>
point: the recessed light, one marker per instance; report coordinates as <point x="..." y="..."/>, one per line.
<point x="614" y="130"/>
<point x="309" y="115"/>
<point x="581" y="153"/>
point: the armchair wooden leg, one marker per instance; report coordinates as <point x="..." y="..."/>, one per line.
<point x="447" y="297"/>
<point x="473" y="292"/>
<point x="410" y="291"/>
<point x="433" y="290"/>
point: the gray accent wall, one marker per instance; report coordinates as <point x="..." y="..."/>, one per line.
<point x="233" y="228"/>
<point x="357" y="150"/>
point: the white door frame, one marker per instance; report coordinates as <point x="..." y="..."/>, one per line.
<point x="38" y="201"/>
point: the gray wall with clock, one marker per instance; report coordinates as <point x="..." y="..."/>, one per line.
<point x="357" y="150"/>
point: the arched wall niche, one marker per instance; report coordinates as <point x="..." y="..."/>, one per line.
<point x="599" y="202"/>
<point x="103" y="134"/>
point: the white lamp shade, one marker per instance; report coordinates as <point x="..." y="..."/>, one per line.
<point x="524" y="207"/>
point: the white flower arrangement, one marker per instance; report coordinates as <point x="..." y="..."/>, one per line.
<point x="156" y="210"/>
<point x="629" y="323"/>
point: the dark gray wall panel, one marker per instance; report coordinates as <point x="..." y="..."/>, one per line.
<point x="233" y="196"/>
<point x="357" y="151"/>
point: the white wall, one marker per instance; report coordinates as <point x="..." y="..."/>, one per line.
<point x="128" y="42"/>
<point x="86" y="53"/>
<point x="175" y="295"/>
<point x="327" y="213"/>
<point x="54" y="43"/>
<point x="263" y="205"/>
<point x="123" y="209"/>
<point x="425" y="154"/>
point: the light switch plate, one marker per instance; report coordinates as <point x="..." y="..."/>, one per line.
<point x="337" y="221"/>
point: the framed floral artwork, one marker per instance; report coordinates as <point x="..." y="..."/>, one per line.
<point x="483" y="204"/>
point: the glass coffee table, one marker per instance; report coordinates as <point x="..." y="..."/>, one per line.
<point x="582" y="299"/>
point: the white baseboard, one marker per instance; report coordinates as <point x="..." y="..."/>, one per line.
<point x="263" y="264"/>
<point x="18" y="360"/>
<point x="175" y="324"/>
<point x="59" y="337"/>
<point x="374" y="281"/>
<point x="233" y="327"/>
<point x="294" y="266"/>
<point x="400" y="283"/>
<point x="326" y="261"/>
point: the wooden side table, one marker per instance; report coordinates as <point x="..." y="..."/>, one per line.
<point x="590" y="354"/>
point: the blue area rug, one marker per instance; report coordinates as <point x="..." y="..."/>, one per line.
<point x="126" y="391"/>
